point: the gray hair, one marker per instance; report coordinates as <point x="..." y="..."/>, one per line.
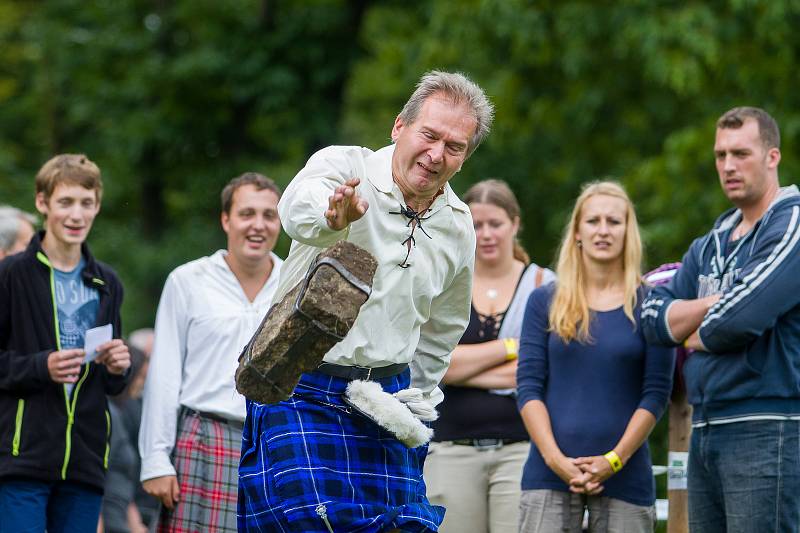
<point x="10" y="220"/>
<point x="460" y="89"/>
<point x="142" y="339"/>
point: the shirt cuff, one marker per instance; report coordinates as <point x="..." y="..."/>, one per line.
<point x="665" y="321"/>
<point x="435" y="397"/>
<point x="156" y="465"/>
<point x="327" y="236"/>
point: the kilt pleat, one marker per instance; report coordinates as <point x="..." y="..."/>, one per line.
<point x="206" y="458"/>
<point x="310" y="462"/>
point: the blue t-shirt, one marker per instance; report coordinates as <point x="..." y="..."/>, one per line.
<point x="591" y="391"/>
<point x="77" y="306"/>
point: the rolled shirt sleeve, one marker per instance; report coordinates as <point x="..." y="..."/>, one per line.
<point x="415" y="314"/>
<point x="440" y="334"/>
<point x="163" y="384"/>
<point x="302" y="206"/>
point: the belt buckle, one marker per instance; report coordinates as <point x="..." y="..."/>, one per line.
<point x="484" y="445"/>
<point x="361" y="370"/>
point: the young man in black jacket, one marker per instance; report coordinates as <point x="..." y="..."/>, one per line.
<point x="54" y="422"/>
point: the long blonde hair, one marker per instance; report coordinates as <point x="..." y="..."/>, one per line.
<point x="569" y="312"/>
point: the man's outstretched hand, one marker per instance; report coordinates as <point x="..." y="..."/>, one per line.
<point x="345" y="205"/>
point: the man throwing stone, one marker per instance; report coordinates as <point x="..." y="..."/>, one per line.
<point x="314" y="463"/>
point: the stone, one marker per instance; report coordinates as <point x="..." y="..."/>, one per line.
<point x="298" y="331"/>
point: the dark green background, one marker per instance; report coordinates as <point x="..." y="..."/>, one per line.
<point x="173" y="98"/>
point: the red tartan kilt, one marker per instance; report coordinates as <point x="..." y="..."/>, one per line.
<point x="206" y="457"/>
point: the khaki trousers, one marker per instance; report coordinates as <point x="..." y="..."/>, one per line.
<point x="553" y="511"/>
<point x="479" y="488"/>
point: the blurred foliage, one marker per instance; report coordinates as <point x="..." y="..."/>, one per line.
<point x="171" y="99"/>
<point x="174" y="98"/>
<point x="587" y="90"/>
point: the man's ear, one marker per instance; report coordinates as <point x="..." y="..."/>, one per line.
<point x="773" y="157"/>
<point x="41" y="204"/>
<point x="224" y="220"/>
<point x="397" y="128"/>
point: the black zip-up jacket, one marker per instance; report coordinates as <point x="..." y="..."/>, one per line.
<point x="44" y="433"/>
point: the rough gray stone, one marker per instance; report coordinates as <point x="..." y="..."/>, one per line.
<point x="288" y="342"/>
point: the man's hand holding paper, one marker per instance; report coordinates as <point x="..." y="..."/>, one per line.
<point x="114" y="354"/>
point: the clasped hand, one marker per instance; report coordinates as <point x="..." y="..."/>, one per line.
<point x="584" y="475"/>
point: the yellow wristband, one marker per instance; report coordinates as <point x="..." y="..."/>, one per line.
<point x="511" y="348"/>
<point x="614" y="460"/>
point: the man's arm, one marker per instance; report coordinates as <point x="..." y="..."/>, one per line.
<point x="162" y="387"/>
<point x="767" y="287"/>
<point x="114" y="355"/>
<point x="685" y="316"/>
<point x="322" y="199"/>
<point x="449" y="317"/>
<point x="29" y="371"/>
<point x="671" y="312"/>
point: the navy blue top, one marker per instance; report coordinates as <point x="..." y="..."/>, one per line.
<point x="591" y="391"/>
<point x="750" y="369"/>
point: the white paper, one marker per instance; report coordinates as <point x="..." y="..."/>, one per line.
<point x="678" y="474"/>
<point x="94" y="338"/>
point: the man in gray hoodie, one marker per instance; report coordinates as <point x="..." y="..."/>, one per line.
<point x="735" y="303"/>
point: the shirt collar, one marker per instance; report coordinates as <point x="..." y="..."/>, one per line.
<point x="379" y="173"/>
<point x="218" y="260"/>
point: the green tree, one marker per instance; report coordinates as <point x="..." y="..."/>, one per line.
<point x="587" y="90"/>
<point x="171" y="99"/>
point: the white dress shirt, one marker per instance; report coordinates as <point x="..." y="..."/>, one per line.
<point x="414" y="315"/>
<point x="203" y="322"/>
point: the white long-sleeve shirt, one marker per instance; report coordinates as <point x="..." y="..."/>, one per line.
<point x="414" y="315"/>
<point x="203" y="322"/>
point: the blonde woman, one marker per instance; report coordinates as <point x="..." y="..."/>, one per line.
<point x="590" y="388"/>
<point x="475" y="464"/>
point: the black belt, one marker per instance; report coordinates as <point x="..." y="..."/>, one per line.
<point x="215" y="417"/>
<point x="485" y="444"/>
<point x="361" y="372"/>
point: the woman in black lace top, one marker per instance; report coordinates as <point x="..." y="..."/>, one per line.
<point x="480" y="444"/>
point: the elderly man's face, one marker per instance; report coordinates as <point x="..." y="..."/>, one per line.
<point x="24" y="236"/>
<point x="432" y="148"/>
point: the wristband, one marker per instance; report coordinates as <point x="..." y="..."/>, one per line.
<point x="511" y="349"/>
<point x="614" y="460"/>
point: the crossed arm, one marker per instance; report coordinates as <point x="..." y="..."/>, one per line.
<point x="685" y="316"/>
<point x="483" y="365"/>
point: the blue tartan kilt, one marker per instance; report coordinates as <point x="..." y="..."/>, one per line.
<point x="310" y="462"/>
